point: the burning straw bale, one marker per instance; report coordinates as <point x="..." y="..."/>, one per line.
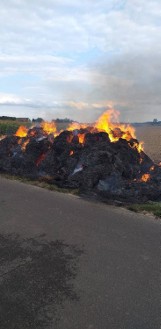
<point x="105" y="158"/>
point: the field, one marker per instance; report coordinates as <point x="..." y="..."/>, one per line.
<point x="10" y="127"/>
<point x="151" y="136"/>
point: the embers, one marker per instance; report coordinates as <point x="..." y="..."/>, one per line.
<point x="40" y="159"/>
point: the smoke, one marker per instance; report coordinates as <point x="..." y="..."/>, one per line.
<point x="77" y="111"/>
<point x="128" y="83"/>
<point x="132" y="83"/>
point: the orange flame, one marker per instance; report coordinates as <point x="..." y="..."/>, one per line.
<point x="104" y="123"/>
<point x="145" y="178"/>
<point x="81" y="138"/>
<point x="71" y="153"/>
<point x="116" y="130"/>
<point x="140" y="147"/>
<point x="23" y="143"/>
<point x="77" y="126"/>
<point x="49" y="127"/>
<point x="21" y="132"/>
<point x="109" y="123"/>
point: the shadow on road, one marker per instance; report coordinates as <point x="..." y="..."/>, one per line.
<point x="36" y="277"/>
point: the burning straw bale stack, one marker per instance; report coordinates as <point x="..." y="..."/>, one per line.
<point x="84" y="158"/>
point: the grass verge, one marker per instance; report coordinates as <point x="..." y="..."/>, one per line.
<point x="41" y="184"/>
<point x="151" y="207"/>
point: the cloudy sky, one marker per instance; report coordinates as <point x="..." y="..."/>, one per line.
<point x="76" y="58"/>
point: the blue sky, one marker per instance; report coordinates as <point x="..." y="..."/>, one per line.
<point x="70" y="58"/>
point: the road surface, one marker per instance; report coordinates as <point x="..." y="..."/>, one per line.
<point x="67" y="263"/>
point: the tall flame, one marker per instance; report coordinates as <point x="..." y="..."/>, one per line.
<point x="105" y="123"/>
<point x="49" y="127"/>
<point x="108" y="122"/>
<point x="21" y="132"/>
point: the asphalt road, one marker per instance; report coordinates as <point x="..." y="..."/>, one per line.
<point x="67" y="263"/>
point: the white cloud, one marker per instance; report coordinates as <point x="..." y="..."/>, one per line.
<point x="53" y="26"/>
<point x="80" y="111"/>
<point x="51" y="41"/>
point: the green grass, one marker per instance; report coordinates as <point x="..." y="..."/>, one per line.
<point x="8" y="127"/>
<point x="151" y="207"/>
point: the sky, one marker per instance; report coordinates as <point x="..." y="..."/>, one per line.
<point x="75" y="59"/>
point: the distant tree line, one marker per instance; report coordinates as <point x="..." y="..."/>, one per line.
<point x="38" y="120"/>
<point x="7" y="118"/>
<point x="156" y="122"/>
<point x="4" y="117"/>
